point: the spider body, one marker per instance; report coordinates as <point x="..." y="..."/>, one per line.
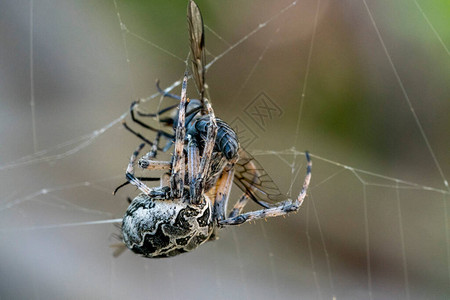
<point x="191" y="201"/>
<point x="160" y="228"/>
<point x="157" y="225"/>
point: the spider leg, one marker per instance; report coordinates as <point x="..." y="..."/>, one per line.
<point x="193" y="160"/>
<point x="140" y="178"/>
<point x="152" y="153"/>
<point x="178" y="164"/>
<point x="206" y="155"/>
<point x="165" y="179"/>
<point x="136" y="133"/>
<point x="224" y="184"/>
<point x="166" y="94"/>
<point x="133" y="117"/>
<point x="191" y="113"/>
<point x="168" y="145"/>
<point x="153" y="165"/>
<point x="164" y="110"/>
<point x="155" y="147"/>
<point x="282" y="209"/>
<point x="154" y="115"/>
<point x="242" y="202"/>
<point x="155" y="144"/>
<point x="146" y="161"/>
<point x="130" y="172"/>
<point x="239" y="206"/>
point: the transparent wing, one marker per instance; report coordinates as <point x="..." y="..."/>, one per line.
<point x="197" y="41"/>
<point x="251" y="178"/>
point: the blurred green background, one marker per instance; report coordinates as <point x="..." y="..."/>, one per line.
<point x="357" y="236"/>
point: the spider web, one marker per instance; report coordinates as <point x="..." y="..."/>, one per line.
<point x="362" y="85"/>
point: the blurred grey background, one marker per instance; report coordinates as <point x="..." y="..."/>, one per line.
<point x="357" y="236"/>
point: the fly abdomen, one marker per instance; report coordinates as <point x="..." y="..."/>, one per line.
<point x="226" y="141"/>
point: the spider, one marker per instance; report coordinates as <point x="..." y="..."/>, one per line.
<point x="191" y="202"/>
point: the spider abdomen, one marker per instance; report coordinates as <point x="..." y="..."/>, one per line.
<point x="161" y="228"/>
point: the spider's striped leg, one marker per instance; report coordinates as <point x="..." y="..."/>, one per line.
<point x="166" y="94"/>
<point x="130" y="172"/>
<point x="146" y="162"/>
<point x="155" y="144"/>
<point x="193" y="161"/>
<point x="136" y="133"/>
<point x="242" y="202"/>
<point x="282" y="209"/>
<point x="165" y="180"/>
<point x="133" y="117"/>
<point x="153" y="192"/>
<point x="239" y="206"/>
<point x="164" y="110"/>
<point x="178" y="163"/>
<point x="224" y="184"/>
<point x="155" y="147"/>
<point x="149" y="164"/>
<point x="139" y="178"/>
<point x="210" y="141"/>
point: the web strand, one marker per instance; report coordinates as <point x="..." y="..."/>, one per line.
<point x="447" y="233"/>
<point x="152" y="44"/>
<point x="86" y="140"/>
<point x="324" y="246"/>
<point x="367" y="239"/>
<point x="317" y="233"/>
<point x="240" y="261"/>
<point x="402" y="243"/>
<point x="291" y="151"/>
<point x="123" y="31"/>
<point x="354" y="171"/>
<point x="255" y="66"/>
<point x="432" y="28"/>
<point x="217" y="36"/>
<point x="307" y="71"/>
<point x="59" y="226"/>
<point x="32" y="100"/>
<point x="406" y="96"/>
<point x="271" y="261"/>
<point x="311" y="253"/>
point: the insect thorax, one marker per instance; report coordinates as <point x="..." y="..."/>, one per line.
<point x="161" y="228"/>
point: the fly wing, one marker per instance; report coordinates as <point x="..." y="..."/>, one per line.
<point x="197" y="41"/>
<point x="251" y="178"/>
